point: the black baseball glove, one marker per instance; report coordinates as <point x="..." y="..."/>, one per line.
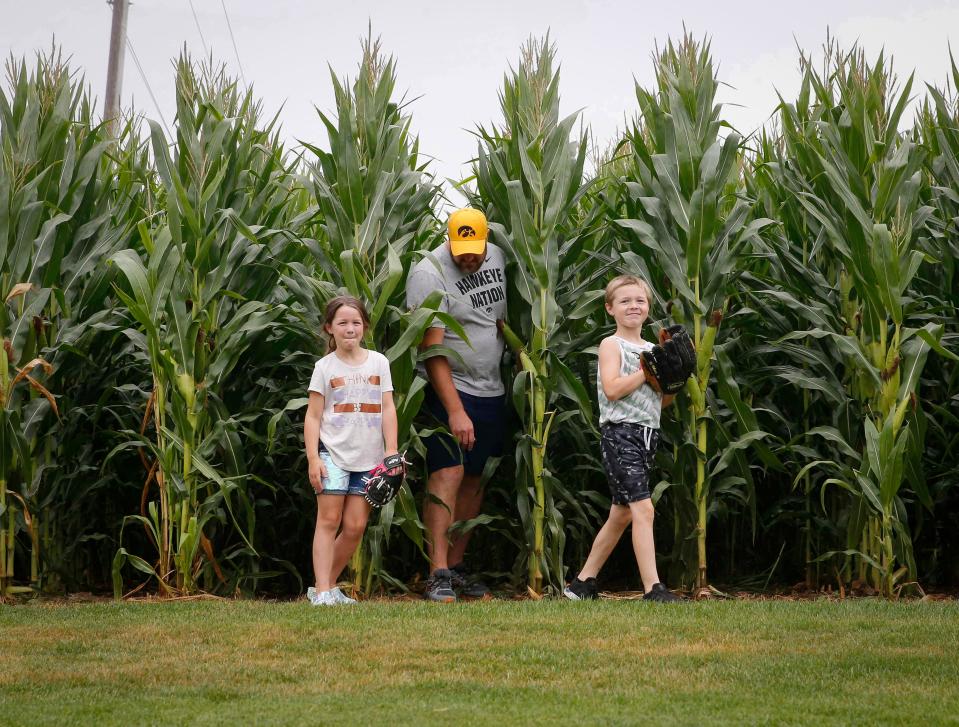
<point x="684" y="346"/>
<point x="668" y="365"/>
<point x="384" y="481"/>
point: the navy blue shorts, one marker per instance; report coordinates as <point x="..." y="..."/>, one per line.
<point x="628" y="451"/>
<point x="488" y="414"/>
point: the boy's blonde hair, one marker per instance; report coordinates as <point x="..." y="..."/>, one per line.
<point x="621" y="281"/>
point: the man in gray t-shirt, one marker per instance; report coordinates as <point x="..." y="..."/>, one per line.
<point x="465" y="394"/>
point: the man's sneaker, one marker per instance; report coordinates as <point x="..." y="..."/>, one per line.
<point x="321" y="598"/>
<point x="578" y="590"/>
<point x="340" y="596"/>
<point x="466" y="584"/>
<point x="661" y="594"/>
<point x="439" y="586"/>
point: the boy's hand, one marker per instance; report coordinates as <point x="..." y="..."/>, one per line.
<point x="668" y="366"/>
<point x="666" y="333"/>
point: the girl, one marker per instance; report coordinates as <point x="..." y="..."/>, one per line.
<point x="629" y="412"/>
<point x="351" y="416"/>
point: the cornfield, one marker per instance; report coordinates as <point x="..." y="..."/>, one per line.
<point x="161" y="316"/>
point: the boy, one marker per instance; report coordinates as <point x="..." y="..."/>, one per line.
<point x="629" y="412"/>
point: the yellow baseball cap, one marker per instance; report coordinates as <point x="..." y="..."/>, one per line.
<point x="467" y="229"/>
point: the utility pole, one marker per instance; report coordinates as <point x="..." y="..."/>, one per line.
<point x="118" y="36"/>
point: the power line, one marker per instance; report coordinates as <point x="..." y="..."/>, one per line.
<point x="196" y="20"/>
<point x="236" y="50"/>
<point x="136" y="61"/>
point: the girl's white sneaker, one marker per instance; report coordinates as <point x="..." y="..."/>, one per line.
<point x="340" y="596"/>
<point x="321" y="598"/>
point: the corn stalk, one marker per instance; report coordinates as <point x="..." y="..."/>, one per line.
<point x="60" y="215"/>
<point x="530" y="181"/>
<point x="373" y="215"/>
<point x="792" y="291"/>
<point x="684" y="208"/>
<point x="938" y="129"/>
<point x="859" y="181"/>
<point x="200" y="294"/>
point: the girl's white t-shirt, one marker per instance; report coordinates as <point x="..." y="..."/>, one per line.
<point x="352" y="426"/>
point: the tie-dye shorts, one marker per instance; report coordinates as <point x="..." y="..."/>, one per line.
<point x="628" y="451"/>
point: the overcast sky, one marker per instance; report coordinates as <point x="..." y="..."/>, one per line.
<point x="452" y="55"/>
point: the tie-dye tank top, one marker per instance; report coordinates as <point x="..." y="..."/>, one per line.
<point x="642" y="406"/>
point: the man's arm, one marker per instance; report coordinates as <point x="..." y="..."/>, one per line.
<point x="441" y="377"/>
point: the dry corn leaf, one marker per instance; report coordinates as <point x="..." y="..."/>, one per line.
<point x="18" y="290"/>
<point x="41" y="389"/>
<point x="25" y="370"/>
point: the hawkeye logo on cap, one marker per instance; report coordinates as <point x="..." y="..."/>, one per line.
<point x="467" y="232"/>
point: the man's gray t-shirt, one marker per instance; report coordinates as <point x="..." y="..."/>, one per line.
<point x="476" y="300"/>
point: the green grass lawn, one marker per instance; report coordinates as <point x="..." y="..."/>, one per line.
<point x="856" y="662"/>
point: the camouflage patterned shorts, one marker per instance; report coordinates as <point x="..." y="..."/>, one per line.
<point x="628" y="451"/>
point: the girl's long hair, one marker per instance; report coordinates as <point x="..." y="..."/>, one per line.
<point x="333" y="306"/>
